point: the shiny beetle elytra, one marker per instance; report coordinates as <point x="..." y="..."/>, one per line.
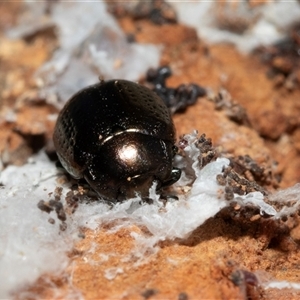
<point x="120" y="137"/>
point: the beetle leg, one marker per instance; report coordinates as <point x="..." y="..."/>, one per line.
<point x="175" y="175"/>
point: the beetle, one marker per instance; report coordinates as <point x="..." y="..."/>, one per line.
<point x="119" y="136"/>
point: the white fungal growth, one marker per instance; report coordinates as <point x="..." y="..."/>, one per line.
<point x="33" y="246"/>
<point x="289" y="198"/>
<point x="91" y="44"/>
<point x="257" y="199"/>
<point x="281" y="284"/>
<point x="111" y="273"/>
<point x="239" y="23"/>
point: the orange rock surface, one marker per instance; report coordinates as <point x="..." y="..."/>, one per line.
<point x="210" y="263"/>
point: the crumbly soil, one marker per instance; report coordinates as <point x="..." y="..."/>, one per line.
<point x="218" y="260"/>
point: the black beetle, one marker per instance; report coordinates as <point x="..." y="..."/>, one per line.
<point x="120" y="137"/>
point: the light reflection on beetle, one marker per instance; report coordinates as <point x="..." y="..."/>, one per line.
<point x="118" y="136"/>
